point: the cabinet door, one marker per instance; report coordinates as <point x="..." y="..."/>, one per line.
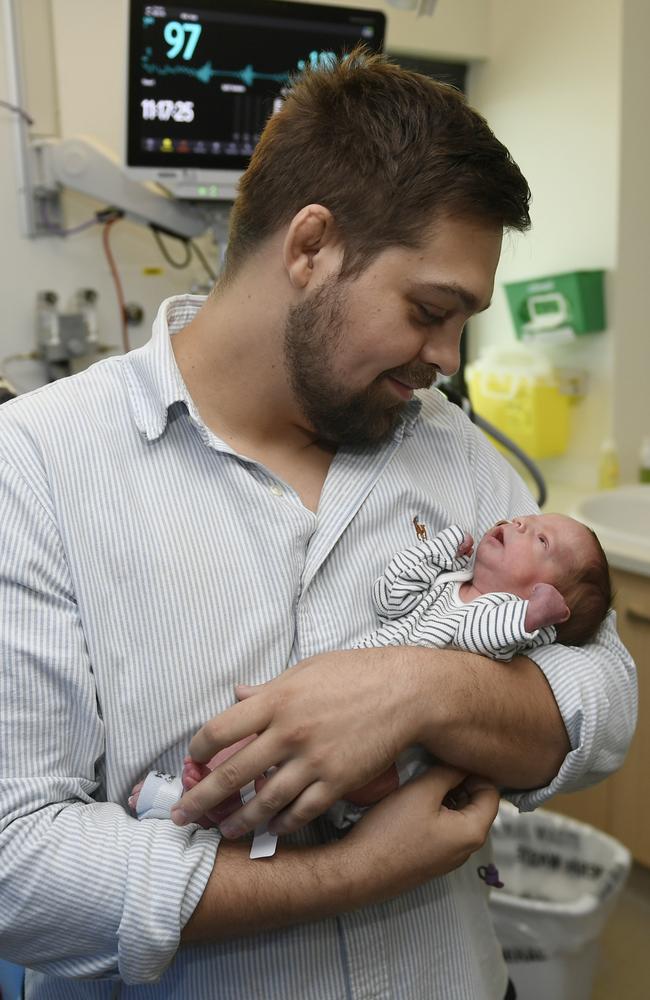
<point x="620" y="805"/>
<point x="629" y="801"/>
<point x="593" y="805"/>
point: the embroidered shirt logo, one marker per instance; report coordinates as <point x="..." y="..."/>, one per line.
<point x="420" y="530"/>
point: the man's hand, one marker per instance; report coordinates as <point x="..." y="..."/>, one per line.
<point x="194" y="772"/>
<point x="420" y="835"/>
<point x="330" y="724"/>
<point x="408" y="838"/>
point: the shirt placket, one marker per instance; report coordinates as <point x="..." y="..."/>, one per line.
<point x="366" y="957"/>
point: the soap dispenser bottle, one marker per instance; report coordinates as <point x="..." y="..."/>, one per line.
<point x="644" y="461"/>
<point x="608" y="467"/>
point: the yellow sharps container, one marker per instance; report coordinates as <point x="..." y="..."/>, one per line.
<point x="518" y="391"/>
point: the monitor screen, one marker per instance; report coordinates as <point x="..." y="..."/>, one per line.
<point x="205" y="76"/>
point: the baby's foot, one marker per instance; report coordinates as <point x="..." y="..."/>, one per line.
<point x="164" y="790"/>
<point x="135" y="795"/>
<point x="546" y="606"/>
<point x="154" y="797"/>
<point x="376" y="789"/>
<point x="194" y="772"/>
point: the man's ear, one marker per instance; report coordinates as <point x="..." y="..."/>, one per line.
<point x="311" y="245"/>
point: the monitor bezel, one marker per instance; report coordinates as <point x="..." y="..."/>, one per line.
<point x="188" y="175"/>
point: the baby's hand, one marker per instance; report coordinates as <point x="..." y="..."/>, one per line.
<point x="466" y="547"/>
<point x="546" y="606"/>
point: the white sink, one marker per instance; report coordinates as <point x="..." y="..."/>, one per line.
<point x="621" y="519"/>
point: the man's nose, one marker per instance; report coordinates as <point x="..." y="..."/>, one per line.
<point x="442" y="348"/>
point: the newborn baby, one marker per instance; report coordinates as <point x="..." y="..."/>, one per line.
<point x="534" y="578"/>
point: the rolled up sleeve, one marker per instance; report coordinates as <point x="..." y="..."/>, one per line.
<point x="595" y="689"/>
<point x="87" y="891"/>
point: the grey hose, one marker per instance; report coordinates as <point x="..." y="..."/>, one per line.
<point x="525" y="459"/>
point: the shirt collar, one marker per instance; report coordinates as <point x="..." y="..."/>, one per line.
<point x="153" y="379"/>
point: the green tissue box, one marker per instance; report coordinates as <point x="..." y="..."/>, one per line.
<point x="558" y="307"/>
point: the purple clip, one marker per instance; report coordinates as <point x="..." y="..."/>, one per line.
<point x="490" y="875"/>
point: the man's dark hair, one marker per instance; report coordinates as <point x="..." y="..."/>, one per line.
<point x="589" y="597"/>
<point x="388" y="151"/>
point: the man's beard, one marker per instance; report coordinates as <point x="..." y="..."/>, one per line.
<point x="314" y="331"/>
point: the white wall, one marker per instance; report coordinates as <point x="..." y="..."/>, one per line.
<point x="458" y="30"/>
<point x="551" y="90"/>
<point x="632" y="354"/>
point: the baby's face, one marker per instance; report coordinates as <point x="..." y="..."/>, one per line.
<point x="538" y="548"/>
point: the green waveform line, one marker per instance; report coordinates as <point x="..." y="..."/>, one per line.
<point x="206" y="72"/>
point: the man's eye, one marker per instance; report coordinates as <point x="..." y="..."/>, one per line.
<point x="427" y="316"/>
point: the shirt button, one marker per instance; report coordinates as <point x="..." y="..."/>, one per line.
<point x="276" y="490"/>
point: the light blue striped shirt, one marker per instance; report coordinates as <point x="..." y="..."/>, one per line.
<point x="146" y="568"/>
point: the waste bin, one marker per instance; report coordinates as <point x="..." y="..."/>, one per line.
<point x="518" y="391"/>
<point x="561" y="879"/>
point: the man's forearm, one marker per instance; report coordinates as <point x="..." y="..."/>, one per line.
<point x="496" y="719"/>
<point x="245" y="897"/>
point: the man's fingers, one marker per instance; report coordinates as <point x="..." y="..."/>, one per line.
<point x="484" y="799"/>
<point x="308" y="806"/>
<point x="476" y="807"/>
<point x="445" y="778"/>
<point x="277" y="792"/>
<point x="226" y="779"/>
<point x="236" y="723"/>
<point x="243" y="691"/>
<point x="228" y="752"/>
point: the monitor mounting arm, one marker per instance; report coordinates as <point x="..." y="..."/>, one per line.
<point x="82" y="165"/>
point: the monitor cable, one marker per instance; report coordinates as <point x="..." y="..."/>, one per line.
<point x="456" y="397"/>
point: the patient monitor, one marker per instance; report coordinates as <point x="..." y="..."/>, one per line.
<point x="205" y="75"/>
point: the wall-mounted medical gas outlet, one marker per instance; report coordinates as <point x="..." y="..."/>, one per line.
<point x="133" y="314"/>
<point x="7" y="389"/>
<point x="66" y="339"/>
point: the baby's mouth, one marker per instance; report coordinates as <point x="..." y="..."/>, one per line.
<point x="497" y="532"/>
